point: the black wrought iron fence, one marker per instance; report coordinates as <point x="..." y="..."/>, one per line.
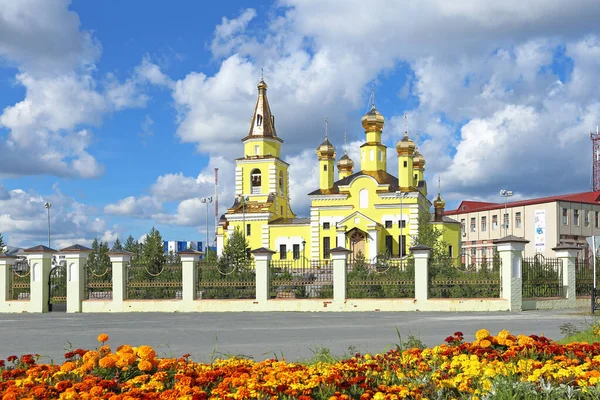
<point x="150" y="282"/>
<point x="226" y="279"/>
<point x="20" y="280"/>
<point x="383" y="277"/>
<point x="98" y="283"/>
<point x="542" y="277"/>
<point x="584" y="276"/>
<point x="465" y="277"/>
<point x="301" y="278"/>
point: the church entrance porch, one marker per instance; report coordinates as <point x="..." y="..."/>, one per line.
<point x="358" y="241"/>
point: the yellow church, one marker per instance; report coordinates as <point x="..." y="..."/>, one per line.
<point x="369" y="211"/>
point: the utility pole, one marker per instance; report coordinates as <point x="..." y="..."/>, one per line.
<point x="47" y="206"/>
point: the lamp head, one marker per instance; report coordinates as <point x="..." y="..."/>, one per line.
<point x="47" y="205"/>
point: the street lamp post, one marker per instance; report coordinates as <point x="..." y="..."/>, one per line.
<point x="206" y="200"/>
<point x="47" y="206"/>
<point x="401" y="243"/>
<point x="506" y="194"/>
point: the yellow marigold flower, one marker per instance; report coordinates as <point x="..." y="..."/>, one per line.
<point x="91" y="357"/>
<point x="146" y="353"/>
<point x="503" y="334"/>
<point x="124" y="349"/>
<point x="482" y="334"/>
<point x="108" y="361"/>
<point x="68" y="366"/>
<point x="103" y="337"/>
<point x="126" y="360"/>
<point x="485" y="343"/>
<point x="145" y="365"/>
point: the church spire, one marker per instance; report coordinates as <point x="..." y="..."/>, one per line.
<point x="262" y="122"/>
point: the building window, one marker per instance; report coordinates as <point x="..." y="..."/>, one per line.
<point x="256" y="150"/>
<point x="324" y="167"/>
<point x="565" y="216"/>
<point x="381" y="156"/>
<point x="494" y="222"/>
<point x="326" y="247"/>
<point x="483" y="224"/>
<point x="255" y="181"/>
<point x="473" y="224"/>
<point x="389" y="245"/>
<point x="597" y="219"/>
<point x="450" y="251"/>
<point x="296" y="251"/>
<point x="518" y="220"/>
<point x="483" y="252"/>
<point x="415" y="177"/>
<point x="473" y="251"/>
<point x="405" y="164"/>
<point x="586" y="218"/>
<point x="326" y="225"/>
<point x="402" y="245"/>
<point x="388" y="224"/>
<point x="462" y="224"/>
<point x="281" y="182"/>
<point x="463" y="252"/>
<point x="282" y="252"/>
<point x="248" y="229"/>
<point x="505" y="222"/>
<point x="363" y="198"/>
<point x="576" y="217"/>
<point x="401" y="223"/>
<point x="281" y="210"/>
<point x="259" y="119"/>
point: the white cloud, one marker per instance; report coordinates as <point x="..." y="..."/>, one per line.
<point x="139" y="207"/>
<point x="226" y="36"/>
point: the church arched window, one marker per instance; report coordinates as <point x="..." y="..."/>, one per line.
<point x="363" y="198"/>
<point x="281" y="182"/>
<point x="259" y="120"/>
<point x="255" y="181"/>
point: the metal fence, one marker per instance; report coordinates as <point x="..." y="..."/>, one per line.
<point x="465" y="277"/>
<point x="542" y="277"/>
<point x="20" y="280"/>
<point x="381" y="278"/>
<point x="226" y="279"/>
<point x="154" y="282"/>
<point x="584" y="276"/>
<point x="98" y="283"/>
<point x="301" y="278"/>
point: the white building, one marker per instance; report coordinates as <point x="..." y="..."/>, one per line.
<point x="177" y="246"/>
<point x="546" y="222"/>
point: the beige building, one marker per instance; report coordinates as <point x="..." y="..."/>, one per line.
<point x="546" y="222"/>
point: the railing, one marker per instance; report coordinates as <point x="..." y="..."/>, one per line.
<point x="381" y="278"/>
<point x="98" y="284"/>
<point x="584" y="276"/>
<point x="226" y="279"/>
<point x="154" y="282"/>
<point x="542" y="277"/>
<point x="465" y="277"/>
<point x="20" y="281"/>
<point x="301" y="279"/>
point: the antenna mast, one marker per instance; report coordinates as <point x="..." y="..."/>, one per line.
<point x="595" y="138"/>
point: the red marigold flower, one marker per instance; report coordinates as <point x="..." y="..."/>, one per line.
<point x="449" y="339"/>
<point x="12" y="358"/>
<point x="1" y="363"/>
<point x="458" y="334"/>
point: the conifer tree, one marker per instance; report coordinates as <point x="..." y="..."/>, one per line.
<point x="103" y="257"/>
<point x="429" y="235"/>
<point x="2" y="244"/>
<point x="235" y="251"/>
<point x="130" y="245"/>
<point x="153" y="254"/>
<point x="92" y="260"/>
<point x="117" y="246"/>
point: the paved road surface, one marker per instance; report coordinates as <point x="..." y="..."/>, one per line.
<point x="260" y="335"/>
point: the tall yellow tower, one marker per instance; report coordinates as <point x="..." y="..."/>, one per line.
<point x="373" y="152"/>
<point x="326" y="155"/>
<point x="419" y="170"/>
<point x="406" y="154"/>
<point x="261" y="175"/>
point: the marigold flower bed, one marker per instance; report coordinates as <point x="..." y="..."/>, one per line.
<point x="530" y="365"/>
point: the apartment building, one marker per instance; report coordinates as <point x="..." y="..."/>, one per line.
<point x="546" y="222"/>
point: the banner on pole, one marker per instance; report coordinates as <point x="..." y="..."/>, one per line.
<point x="540" y="231"/>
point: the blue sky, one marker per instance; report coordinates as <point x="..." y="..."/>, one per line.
<point x="117" y="112"/>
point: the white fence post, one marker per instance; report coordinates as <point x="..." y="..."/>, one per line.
<point x="76" y="257"/>
<point x="6" y="270"/>
<point x="189" y="274"/>
<point x="422" y="254"/>
<point x="119" y="260"/>
<point x="339" y="257"/>
<point x="262" y="256"/>
<point x="40" y="261"/>
<point x="568" y="255"/>
<point x="510" y="249"/>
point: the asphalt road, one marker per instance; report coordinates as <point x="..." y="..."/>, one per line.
<point x="296" y="336"/>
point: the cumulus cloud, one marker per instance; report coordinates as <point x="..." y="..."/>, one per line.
<point x="138" y="207"/>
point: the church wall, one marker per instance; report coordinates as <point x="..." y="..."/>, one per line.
<point x="289" y="235"/>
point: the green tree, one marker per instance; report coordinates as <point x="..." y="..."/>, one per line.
<point x="92" y="261"/>
<point x="132" y="246"/>
<point x="429" y="235"/>
<point x="2" y="244"/>
<point x="103" y="257"/>
<point x="153" y="253"/>
<point x="117" y="246"/>
<point x="235" y="251"/>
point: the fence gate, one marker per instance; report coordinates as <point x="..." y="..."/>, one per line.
<point x="57" y="285"/>
<point x="542" y="277"/>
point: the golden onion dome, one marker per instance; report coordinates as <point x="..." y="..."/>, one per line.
<point x="439" y="202"/>
<point x="405" y="146"/>
<point x="262" y="84"/>
<point x="419" y="160"/>
<point x="326" y="149"/>
<point x="345" y="163"/>
<point x="373" y="121"/>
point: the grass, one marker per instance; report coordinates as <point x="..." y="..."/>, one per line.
<point x="590" y="334"/>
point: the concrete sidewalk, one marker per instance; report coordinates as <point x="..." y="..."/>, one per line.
<point x="296" y="336"/>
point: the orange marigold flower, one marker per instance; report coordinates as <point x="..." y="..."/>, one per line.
<point x="103" y="337"/>
<point x="485" y="343"/>
<point x="482" y="334"/>
<point x="108" y="361"/>
<point x="146" y="353"/>
<point x="91" y="357"/>
<point x="68" y="366"/>
<point x="124" y="349"/>
<point x="96" y="391"/>
<point x="145" y="365"/>
<point x="126" y="360"/>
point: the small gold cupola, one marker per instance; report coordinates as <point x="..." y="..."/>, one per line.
<point x="326" y="150"/>
<point x="373" y="121"/>
<point x="406" y="154"/>
<point x="405" y="146"/>
<point x="439" y="204"/>
<point x="345" y="166"/>
<point x="419" y="170"/>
